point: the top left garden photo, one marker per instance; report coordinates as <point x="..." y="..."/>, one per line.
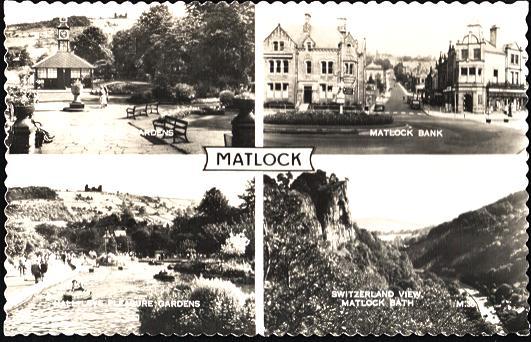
<point x="164" y="78"/>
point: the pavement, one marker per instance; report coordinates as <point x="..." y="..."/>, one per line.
<point x="450" y="136"/>
<point x="21" y="289"/>
<point x="107" y="130"/>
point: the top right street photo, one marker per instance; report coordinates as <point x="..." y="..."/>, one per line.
<point x="393" y="79"/>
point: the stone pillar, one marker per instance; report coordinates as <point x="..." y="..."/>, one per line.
<point x="24" y="132"/>
<point x="243" y="124"/>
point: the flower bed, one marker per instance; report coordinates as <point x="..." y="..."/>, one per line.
<point x="324" y="118"/>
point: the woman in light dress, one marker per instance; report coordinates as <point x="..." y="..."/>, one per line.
<point x="103" y="97"/>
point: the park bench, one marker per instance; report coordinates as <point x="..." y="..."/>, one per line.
<point x="137" y="111"/>
<point x="172" y="124"/>
<point x="152" y="108"/>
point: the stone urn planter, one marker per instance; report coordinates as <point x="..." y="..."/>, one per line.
<point x="243" y="123"/>
<point x="76" y="105"/>
<point x="23" y="131"/>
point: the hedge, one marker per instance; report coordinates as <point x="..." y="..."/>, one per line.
<point x="324" y="118"/>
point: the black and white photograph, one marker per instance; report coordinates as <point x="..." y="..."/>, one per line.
<point x="91" y="252"/>
<point x="384" y="78"/>
<point x="429" y="246"/>
<point x="159" y="78"/>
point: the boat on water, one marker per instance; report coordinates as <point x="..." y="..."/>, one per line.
<point x="154" y="263"/>
<point x="164" y="276"/>
<point x="70" y="296"/>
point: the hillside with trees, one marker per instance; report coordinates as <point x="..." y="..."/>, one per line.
<point x="312" y="248"/>
<point x="485" y="248"/>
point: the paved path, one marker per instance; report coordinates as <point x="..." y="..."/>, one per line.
<point x="108" y="131"/>
<point x="20" y="289"/>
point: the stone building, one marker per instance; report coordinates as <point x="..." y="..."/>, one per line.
<point x="307" y="65"/>
<point x="480" y="75"/>
<point x="58" y="71"/>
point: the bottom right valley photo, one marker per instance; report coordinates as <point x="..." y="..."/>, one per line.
<point x="397" y="245"/>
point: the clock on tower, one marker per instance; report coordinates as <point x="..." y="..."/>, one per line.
<point x="63" y="35"/>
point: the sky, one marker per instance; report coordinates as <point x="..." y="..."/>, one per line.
<point x="416" y="191"/>
<point x="27" y="12"/>
<point x="402" y="29"/>
<point x="152" y="175"/>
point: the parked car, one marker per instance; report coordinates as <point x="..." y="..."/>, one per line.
<point x="415" y="104"/>
<point x="379" y="107"/>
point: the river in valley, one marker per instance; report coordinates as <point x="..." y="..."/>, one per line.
<point x="112" y="309"/>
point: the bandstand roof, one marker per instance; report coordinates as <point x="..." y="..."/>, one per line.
<point x="66" y="60"/>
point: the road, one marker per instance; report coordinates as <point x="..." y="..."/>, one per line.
<point x="458" y="136"/>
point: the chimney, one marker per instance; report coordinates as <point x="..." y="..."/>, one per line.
<point x="342" y="25"/>
<point x="494" y="34"/>
<point x="307" y="28"/>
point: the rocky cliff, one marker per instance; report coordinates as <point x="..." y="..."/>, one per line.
<point x="325" y="199"/>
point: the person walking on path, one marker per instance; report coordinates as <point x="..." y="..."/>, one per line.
<point x="103" y="97"/>
<point x="22" y="266"/>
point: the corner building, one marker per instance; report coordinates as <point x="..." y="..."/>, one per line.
<point x="308" y="65"/>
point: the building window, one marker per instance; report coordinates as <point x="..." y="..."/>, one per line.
<point x="323" y="67"/>
<point x="286" y="67"/>
<point x="75" y="73"/>
<point x="275" y="46"/>
<point x="85" y="72"/>
<point x="349" y="68"/>
<point x="495" y="74"/>
<point x="281" y="46"/>
<point x="278" y="86"/>
<point x="477" y="54"/>
<point x="270" y="86"/>
<point x="512" y="77"/>
<point x="464" y="71"/>
<point x="480" y="99"/>
<point x="464" y="54"/>
<point x="309" y="46"/>
<point x="271" y="67"/>
<point x="308" y="67"/>
<point x="323" y="87"/>
<point x="512" y="58"/>
<point x="515" y="59"/>
<point x="472" y="71"/>
<point x="284" y="86"/>
<point x="479" y="71"/>
<point x="41" y="73"/>
<point x="279" y="67"/>
<point x="51" y="72"/>
<point x="330" y="67"/>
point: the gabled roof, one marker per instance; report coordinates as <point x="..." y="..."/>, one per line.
<point x="324" y="37"/>
<point x="63" y="60"/>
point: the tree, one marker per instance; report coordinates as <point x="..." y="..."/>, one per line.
<point x="214" y="206"/>
<point x="91" y="45"/>
<point x="226" y="53"/>
<point x="17" y="57"/>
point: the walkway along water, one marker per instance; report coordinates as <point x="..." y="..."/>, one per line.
<point x="112" y="310"/>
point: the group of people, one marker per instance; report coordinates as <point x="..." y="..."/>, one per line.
<point x="38" y="265"/>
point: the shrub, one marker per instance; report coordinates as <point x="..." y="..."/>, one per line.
<point x="183" y="93"/>
<point x="162" y="93"/>
<point x="235" y="245"/>
<point x="142" y="97"/>
<point x="31" y="192"/>
<point x="224" y="309"/>
<point x="324" y="118"/>
<point x="226" y="98"/>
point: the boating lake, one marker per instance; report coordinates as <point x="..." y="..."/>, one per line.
<point x="46" y="313"/>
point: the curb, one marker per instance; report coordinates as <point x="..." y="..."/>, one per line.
<point x="325" y="130"/>
<point x="14" y="306"/>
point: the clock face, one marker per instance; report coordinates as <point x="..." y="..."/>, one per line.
<point x="63" y="33"/>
